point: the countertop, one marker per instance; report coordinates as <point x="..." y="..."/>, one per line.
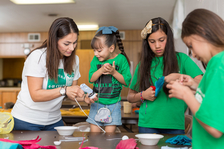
<point x="10" y="88"/>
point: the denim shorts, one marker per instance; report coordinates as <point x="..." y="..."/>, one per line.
<point x="114" y="108"/>
<point x="22" y="125"/>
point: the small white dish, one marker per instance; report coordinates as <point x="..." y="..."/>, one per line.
<point x="57" y="142"/>
<point x="65" y="130"/>
<point x="149" y="139"/>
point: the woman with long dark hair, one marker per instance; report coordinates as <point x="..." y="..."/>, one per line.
<point x="50" y="73"/>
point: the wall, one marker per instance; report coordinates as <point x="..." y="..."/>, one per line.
<point x="213" y="5"/>
<point x="189" y="5"/>
<point x="11" y="44"/>
<point x="11" y="53"/>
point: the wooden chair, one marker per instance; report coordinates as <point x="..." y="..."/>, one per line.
<point x="188" y="124"/>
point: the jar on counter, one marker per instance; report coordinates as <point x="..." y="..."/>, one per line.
<point x="10" y="82"/>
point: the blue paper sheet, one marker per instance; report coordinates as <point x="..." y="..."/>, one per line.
<point x="8" y="145"/>
<point x="179" y="140"/>
<point x="159" y="84"/>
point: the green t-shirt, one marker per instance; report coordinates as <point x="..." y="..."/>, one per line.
<point x="110" y="88"/>
<point x="210" y="93"/>
<point x="164" y="112"/>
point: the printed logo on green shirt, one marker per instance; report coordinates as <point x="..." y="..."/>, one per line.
<point x="199" y="95"/>
<point x="62" y="80"/>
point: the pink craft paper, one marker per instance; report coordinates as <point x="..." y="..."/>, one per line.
<point x="90" y="147"/>
<point x="29" y="144"/>
<point x="127" y="144"/>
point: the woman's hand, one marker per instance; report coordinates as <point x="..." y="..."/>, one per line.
<point x="89" y="100"/>
<point x="149" y="94"/>
<point x="188" y="81"/>
<point x="178" y="90"/>
<point x="74" y="92"/>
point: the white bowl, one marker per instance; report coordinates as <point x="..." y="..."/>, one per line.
<point x="65" y="130"/>
<point x="149" y="139"/>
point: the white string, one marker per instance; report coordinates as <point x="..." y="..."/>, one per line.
<point x="88" y="116"/>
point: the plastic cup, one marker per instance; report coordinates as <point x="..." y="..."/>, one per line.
<point x="127" y="107"/>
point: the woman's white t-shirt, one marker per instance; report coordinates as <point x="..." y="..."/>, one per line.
<point x="48" y="112"/>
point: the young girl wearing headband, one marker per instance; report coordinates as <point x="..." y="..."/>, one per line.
<point x="160" y="114"/>
<point x="109" y="71"/>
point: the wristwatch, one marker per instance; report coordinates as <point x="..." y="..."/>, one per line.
<point x="63" y="90"/>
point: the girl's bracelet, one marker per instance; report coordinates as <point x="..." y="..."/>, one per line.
<point x="142" y="99"/>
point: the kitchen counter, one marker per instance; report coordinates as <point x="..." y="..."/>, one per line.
<point x="8" y="94"/>
<point x="10" y="88"/>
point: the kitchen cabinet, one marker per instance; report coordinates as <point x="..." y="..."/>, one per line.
<point x="8" y="95"/>
<point x="85" y="58"/>
<point x="12" y="68"/>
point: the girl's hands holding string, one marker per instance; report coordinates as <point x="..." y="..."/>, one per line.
<point x="188" y="81"/>
<point x="172" y="77"/>
<point x="178" y="90"/>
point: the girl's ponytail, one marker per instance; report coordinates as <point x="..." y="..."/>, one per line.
<point x="120" y="45"/>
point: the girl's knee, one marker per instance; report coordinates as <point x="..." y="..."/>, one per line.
<point x="94" y="128"/>
<point x="110" y="128"/>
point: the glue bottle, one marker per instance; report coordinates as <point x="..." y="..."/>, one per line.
<point x="88" y="90"/>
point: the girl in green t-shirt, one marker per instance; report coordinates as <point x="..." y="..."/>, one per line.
<point x="109" y="71"/>
<point x="160" y="114"/>
<point x="203" y="32"/>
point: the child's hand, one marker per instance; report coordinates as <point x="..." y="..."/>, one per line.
<point x="172" y="77"/>
<point x="103" y="70"/>
<point x="177" y="90"/>
<point x="149" y="94"/>
<point x="188" y="81"/>
<point x="109" y="69"/>
<point x="89" y="100"/>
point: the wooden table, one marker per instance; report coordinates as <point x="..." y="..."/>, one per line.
<point x="94" y="139"/>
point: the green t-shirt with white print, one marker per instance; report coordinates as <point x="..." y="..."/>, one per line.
<point x="210" y="93"/>
<point x="110" y="88"/>
<point x="164" y="112"/>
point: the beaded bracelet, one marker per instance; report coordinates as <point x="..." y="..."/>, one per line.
<point x="142" y="99"/>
